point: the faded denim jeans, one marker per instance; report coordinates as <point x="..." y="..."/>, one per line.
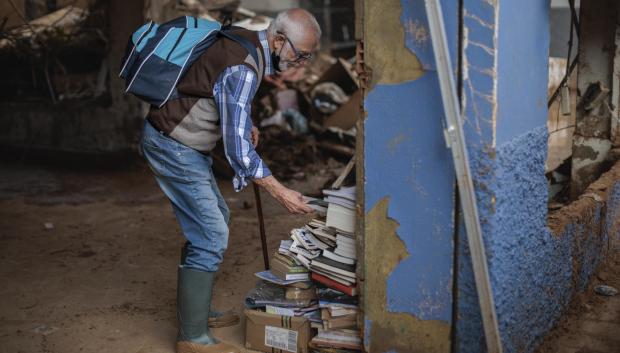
<point x="186" y="177"/>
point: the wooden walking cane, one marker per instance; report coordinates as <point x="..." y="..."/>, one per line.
<point x="261" y="225"/>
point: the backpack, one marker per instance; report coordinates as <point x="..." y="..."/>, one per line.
<point x="158" y="55"/>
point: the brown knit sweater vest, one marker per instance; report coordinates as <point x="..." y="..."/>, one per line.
<point x="194" y="120"/>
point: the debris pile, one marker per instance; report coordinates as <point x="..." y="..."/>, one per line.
<point x="58" y="25"/>
<point x="56" y="57"/>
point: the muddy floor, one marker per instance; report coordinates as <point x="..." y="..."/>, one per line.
<point x="592" y="322"/>
<point x="88" y="264"/>
<point x="89" y="258"/>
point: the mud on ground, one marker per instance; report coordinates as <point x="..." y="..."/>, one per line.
<point x="103" y="278"/>
<point x="592" y="322"/>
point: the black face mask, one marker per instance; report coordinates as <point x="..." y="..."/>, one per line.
<point x="275" y="61"/>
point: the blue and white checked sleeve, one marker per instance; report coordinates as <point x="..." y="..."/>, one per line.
<point x="233" y="93"/>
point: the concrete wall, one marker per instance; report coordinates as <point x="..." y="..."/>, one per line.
<point x="91" y="128"/>
<point x="408" y="183"/>
<point x="592" y="142"/>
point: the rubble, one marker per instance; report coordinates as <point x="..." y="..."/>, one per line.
<point x="58" y="56"/>
<point x="60" y="24"/>
<point x="329" y="98"/>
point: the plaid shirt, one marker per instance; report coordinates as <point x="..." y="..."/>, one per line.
<point x="233" y="93"/>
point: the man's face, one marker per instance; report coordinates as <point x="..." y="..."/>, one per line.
<point x="294" y="54"/>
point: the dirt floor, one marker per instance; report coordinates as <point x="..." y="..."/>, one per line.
<point x="103" y="278"/>
<point x="592" y="323"/>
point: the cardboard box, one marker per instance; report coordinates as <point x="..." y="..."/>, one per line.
<point x="348" y="114"/>
<point x="276" y="333"/>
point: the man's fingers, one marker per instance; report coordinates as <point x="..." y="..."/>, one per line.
<point x="304" y="208"/>
<point x="298" y="208"/>
<point x="294" y="202"/>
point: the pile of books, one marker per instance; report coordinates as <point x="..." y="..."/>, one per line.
<point x="288" y="273"/>
<point x="320" y="258"/>
<point x="338" y="328"/>
<point x="328" y="246"/>
<point x="334" y="268"/>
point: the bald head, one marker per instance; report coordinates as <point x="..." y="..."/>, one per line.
<point x="293" y="35"/>
<point x="299" y="26"/>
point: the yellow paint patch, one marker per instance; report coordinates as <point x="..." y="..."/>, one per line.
<point x="397" y="332"/>
<point x="384" y="41"/>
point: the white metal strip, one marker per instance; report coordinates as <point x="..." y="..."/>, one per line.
<point x="463" y="174"/>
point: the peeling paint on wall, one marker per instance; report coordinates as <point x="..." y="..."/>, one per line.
<point x="407" y="162"/>
<point x="534" y="270"/>
<point x="589" y="155"/>
<point x="417" y="33"/>
<point x="386" y="53"/>
<point x="479" y="70"/>
<point x="393" y="331"/>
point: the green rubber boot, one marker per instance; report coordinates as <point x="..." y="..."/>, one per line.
<point x="216" y="318"/>
<point x="193" y="301"/>
<point x="194" y="292"/>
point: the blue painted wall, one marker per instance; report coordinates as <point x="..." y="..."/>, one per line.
<point x="522" y="56"/>
<point x="406" y="160"/>
<point x="534" y="273"/>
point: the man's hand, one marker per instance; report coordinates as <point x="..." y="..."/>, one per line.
<point x="254" y="136"/>
<point x="293" y="201"/>
<point x="290" y="199"/>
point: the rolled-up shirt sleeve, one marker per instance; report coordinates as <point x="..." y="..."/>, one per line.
<point x="233" y="93"/>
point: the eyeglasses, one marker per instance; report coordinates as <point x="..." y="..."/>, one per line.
<point x="300" y="57"/>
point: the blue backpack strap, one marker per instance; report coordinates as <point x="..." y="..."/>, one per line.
<point x="144" y="34"/>
<point x="176" y="43"/>
<point x="245" y="43"/>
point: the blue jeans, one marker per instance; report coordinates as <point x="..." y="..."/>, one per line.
<point x="186" y="177"/>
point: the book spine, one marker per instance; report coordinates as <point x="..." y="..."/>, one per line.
<point x="334" y="285"/>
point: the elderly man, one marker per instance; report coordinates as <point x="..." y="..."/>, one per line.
<point x="217" y="92"/>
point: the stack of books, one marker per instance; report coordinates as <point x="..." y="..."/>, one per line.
<point x="323" y="254"/>
<point x="334" y="267"/>
<point x="287" y="272"/>
<point x="286" y="289"/>
<point x="286" y="266"/>
<point x="341" y="209"/>
<point x="338" y="328"/>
